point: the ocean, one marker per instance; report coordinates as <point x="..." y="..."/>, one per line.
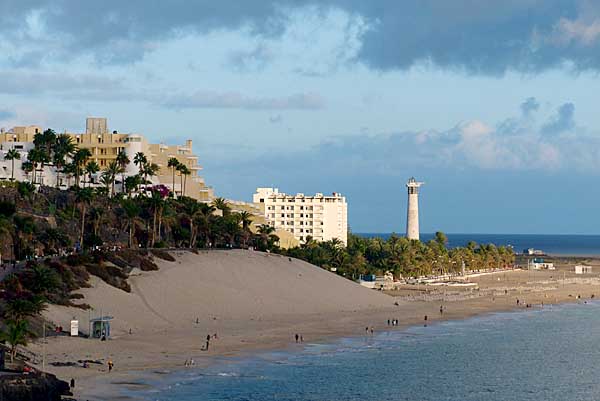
<point x="541" y="354"/>
<point x="551" y="244"/>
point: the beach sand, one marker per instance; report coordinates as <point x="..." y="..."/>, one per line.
<point x="255" y="301"/>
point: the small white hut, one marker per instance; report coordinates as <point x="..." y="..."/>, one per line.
<point x="583" y="269"/>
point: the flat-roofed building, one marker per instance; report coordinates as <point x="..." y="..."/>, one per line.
<point x="96" y="125"/>
<point x="322" y="217"/>
<point x="104" y="148"/>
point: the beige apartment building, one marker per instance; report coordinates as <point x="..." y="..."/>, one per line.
<point x="322" y="217"/>
<point x="105" y="146"/>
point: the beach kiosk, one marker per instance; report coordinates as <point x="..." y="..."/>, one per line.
<point x="583" y="269"/>
<point x="100" y="327"/>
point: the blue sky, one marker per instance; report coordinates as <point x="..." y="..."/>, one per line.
<point x="493" y="104"/>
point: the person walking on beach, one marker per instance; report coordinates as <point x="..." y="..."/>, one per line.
<point x="207" y="341"/>
<point x="441" y="309"/>
<point x="110" y="365"/>
<point x="72" y="383"/>
<point x="297" y="337"/>
<point x="425" y="319"/>
<point x="371" y="330"/>
<point x="301" y="338"/>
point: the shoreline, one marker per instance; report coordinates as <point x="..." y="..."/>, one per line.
<point x="172" y="310"/>
<point x="148" y="378"/>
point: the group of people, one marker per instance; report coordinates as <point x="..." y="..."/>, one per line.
<point x="299" y="338"/>
<point x="189" y="362"/>
<point x="208" y="338"/>
<point x="369" y="330"/>
<point x="392" y="322"/>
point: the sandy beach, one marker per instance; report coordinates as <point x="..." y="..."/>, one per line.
<point x="255" y="301"/>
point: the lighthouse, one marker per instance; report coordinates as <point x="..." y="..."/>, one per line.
<point x="412" y="214"/>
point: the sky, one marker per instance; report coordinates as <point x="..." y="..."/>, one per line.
<point x="492" y="104"/>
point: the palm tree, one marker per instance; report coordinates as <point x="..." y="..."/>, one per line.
<point x="221" y="204"/>
<point x="69" y="170"/>
<point x="44" y="143"/>
<point x="27" y="167"/>
<point x="157" y="203"/>
<point x="131" y="183"/>
<point x="245" y="219"/>
<point x="96" y="214"/>
<point x="132" y="211"/>
<point x="140" y="160"/>
<point x="36" y="157"/>
<point x="107" y="179"/>
<point x="43" y="279"/>
<point x="149" y="169"/>
<point x="80" y="159"/>
<point x="183" y="173"/>
<point x="122" y="161"/>
<point x="84" y="197"/>
<point x="111" y="174"/>
<point x="173" y="163"/>
<point x="21" y="308"/>
<point x="12" y="154"/>
<point x="267" y="236"/>
<point x="63" y="148"/>
<point x="192" y="212"/>
<point x="16" y="334"/>
<point x="91" y="168"/>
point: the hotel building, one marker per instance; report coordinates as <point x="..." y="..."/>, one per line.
<point x="322" y="217"/>
<point x="104" y="147"/>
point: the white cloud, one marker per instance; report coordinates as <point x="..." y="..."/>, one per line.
<point x="580" y="31"/>
<point x="236" y="100"/>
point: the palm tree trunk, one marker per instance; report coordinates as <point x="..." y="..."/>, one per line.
<point x="131" y="233"/>
<point x="174" y="193"/>
<point x="184" y="183"/>
<point x="82" y="226"/>
<point x="153" y="229"/>
<point x="181" y="184"/>
<point x="192" y="234"/>
<point x="12" y="171"/>
<point x="160" y="225"/>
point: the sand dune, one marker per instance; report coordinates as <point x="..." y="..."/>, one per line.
<point x="223" y="285"/>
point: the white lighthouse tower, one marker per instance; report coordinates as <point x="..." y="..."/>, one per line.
<point x="412" y="215"/>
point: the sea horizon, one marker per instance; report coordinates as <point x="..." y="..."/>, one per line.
<point x="552" y="244"/>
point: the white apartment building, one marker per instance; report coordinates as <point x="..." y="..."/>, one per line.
<point x="322" y="217"/>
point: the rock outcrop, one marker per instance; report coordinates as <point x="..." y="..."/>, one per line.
<point x="31" y="387"/>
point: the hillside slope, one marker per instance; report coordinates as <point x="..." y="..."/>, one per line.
<point x="223" y="285"/>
